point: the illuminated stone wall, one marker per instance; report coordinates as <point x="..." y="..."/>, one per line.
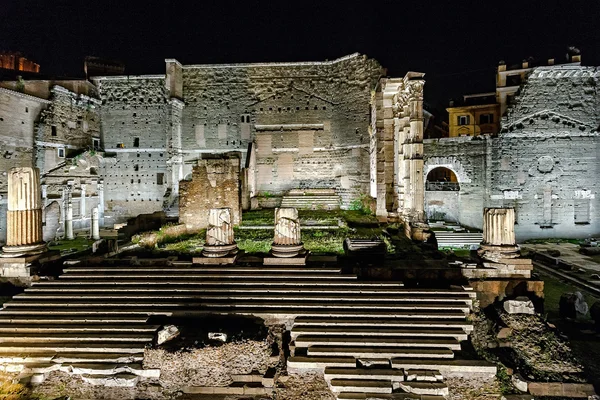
<point x="544" y="162"/>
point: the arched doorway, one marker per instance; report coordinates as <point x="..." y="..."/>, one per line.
<point x="441" y="179"/>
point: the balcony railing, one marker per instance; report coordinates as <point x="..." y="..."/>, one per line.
<point x="442" y="186"/>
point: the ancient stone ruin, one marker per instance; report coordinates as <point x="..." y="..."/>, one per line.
<point x="219" y="234"/>
<point x="24" y="216"/>
<point x="287" y="240"/>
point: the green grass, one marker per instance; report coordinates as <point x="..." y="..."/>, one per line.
<point x="553" y="240"/>
<point x="553" y="289"/>
<point x="80" y="243"/>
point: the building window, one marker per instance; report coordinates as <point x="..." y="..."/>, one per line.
<point x="486" y="119"/>
<point x="581" y="208"/>
<point x="53" y="130"/>
<point x="463" y="120"/>
<point x="96" y="143"/>
<point x="160" y="178"/>
<point x="136" y="167"/>
<point x="61" y="152"/>
<point x="245" y="118"/>
<point x="120" y="146"/>
<point x="136" y="142"/>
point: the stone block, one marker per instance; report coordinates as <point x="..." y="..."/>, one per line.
<point x="521" y="305"/>
<point x="169" y="332"/>
<point x="519" y="382"/>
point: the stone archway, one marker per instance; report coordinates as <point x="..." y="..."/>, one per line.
<point x="450" y="163"/>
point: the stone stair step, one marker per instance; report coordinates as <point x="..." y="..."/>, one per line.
<point x="224" y="294"/>
<point x="304" y="362"/>
<point x="81" y="346"/>
<point x="198" y="275"/>
<point x="447" y="367"/>
<point x="209" y="269"/>
<point x="126" y="300"/>
<point x="396" y="321"/>
<point x="186" y="303"/>
<point x="52" y="357"/>
<point x="361" y="385"/>
<point x="186" y="282"/>
<point x="387" y="374"/>
<point x="196" y="310"/>
<point x="96" y="357"/>
<point x="111" y="369"/>
<point x="382" y="396"/>
<point x="73" y="328"/>
<point x="379" y="351"/>
<point x="15" y="316"/>
<point x="26" y="338"/>
<point x="424" y="375"/>
<point x="377" y="331"/>
<point x="369" y="341"/>
<point x="428" y="388"/>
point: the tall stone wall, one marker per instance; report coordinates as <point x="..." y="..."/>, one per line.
<point x="467" y="158"/>
<point x="134" y="123"/>
<point x="309" y="120"/>
<point x="66" y="128"/>
<point x="215" y="183"/>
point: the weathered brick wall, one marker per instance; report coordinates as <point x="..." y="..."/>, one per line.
<point x="215" y="184"/>
<point x="323" y="108"/>
<point x="69" y="123"/>
<point x="135" y="177"/>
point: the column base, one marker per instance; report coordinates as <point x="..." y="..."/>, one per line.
<point x="218" y="251"/>
<point x="23" y="250"/>
<point x="498" y="253"/>
<point x="287" y="250"/>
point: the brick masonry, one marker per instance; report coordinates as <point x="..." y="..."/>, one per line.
<point x="215" y="183"/>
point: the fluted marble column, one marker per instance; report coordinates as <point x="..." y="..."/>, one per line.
<point x="287" y="241"/>
<point x="498" y="234"/>
<point x="24" y="216"/>
<point x="219" y="234"/>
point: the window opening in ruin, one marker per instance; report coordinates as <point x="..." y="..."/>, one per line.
<point x="136" y="167"/>
<point x="53" y="130"/>
<point x="96" y="143"/>
<point x="441" y="179"/>
<point x="136" y="142"/>
<point x="581" y="209"/>
<point x="61" y="152"/>
<point x="463" y="120"/>
<point x="160" y="178"/>
<point x="26" y="109"/>
<point x="486" y="119"/>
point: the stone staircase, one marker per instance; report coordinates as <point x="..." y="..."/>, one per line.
<point x="311" y="202"/>
<point x="470" y="240"/>
<point x="93" y="321"/>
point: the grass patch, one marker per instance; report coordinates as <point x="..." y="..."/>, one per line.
<point x="553" y="289"/>
<point x="552" y="240"/>
<point x="80" y="243"/>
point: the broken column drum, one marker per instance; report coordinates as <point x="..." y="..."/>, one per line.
<point x="287" y="241"/>
<point x="24" y="216"/>
<point x="499" y="234"/>
<point x="219" y="234"/>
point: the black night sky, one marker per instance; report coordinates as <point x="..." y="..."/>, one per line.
<point x="456" y="43"/>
